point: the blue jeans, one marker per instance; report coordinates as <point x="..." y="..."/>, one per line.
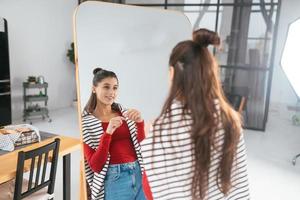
<point x="124" y="182"/>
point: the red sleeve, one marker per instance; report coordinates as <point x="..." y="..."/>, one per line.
<point x="97" y="158"/>
<point x="140" y="131"/>
<point x="146" y="187"/>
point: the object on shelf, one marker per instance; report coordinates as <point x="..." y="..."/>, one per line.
<point x="31" y="79"/>
<point x="34" y="108"/>
<point x="40" y="79"/>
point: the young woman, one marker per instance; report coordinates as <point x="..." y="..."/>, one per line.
<point x="112" y="136"/>
<point x="197" y="149"/>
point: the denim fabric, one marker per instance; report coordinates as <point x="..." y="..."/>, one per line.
<point x="124" y="182"/>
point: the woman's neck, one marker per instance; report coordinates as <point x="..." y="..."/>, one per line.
<point x="103" y="110"/>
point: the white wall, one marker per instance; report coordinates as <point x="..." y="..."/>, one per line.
<point x="40" y="32"/>
<point x="2" y="28"/>
<point x="282" y="92"/>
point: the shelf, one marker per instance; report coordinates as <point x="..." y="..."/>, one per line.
<point x="31" y="98"/>
<point x="41" y="111"/>
<point x="41" y="97"/>
<point x="35" y="85"/>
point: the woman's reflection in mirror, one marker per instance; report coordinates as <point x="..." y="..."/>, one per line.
<point x="112" y="135"/>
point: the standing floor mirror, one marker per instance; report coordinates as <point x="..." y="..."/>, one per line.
<point x="135" y="43"/>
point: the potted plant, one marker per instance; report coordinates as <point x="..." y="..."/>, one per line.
<point x="71" y="54"/>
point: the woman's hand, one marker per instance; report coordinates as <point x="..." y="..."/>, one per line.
<point x="134" y="115"/>
<point x="114" y="123"/>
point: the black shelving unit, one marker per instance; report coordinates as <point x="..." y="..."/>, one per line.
<point x="32" y="103"/>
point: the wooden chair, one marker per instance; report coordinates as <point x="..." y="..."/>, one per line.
<point x="238" y="98"/>
<point x="35" y="187"/>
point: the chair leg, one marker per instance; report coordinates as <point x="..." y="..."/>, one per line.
<point x="242" y="105"/>
<point x="67" y="177"/>
<point x="295" y="159"/>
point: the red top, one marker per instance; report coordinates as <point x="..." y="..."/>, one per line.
<point x="119" y="145"/>
<point x="121" y="150"/>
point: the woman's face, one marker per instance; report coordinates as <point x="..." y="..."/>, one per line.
<point x="106" y="90"/>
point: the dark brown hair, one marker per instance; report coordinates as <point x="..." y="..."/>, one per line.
<point x="196" y="84"/>
<point x="99" y="75"/>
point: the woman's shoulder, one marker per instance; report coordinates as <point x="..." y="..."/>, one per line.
<point x="87" y="116"/>
<point x="88" y="119"/>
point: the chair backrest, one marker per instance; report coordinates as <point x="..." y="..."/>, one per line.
<point x="39" y="166"/>
<point x="238" y="97"/>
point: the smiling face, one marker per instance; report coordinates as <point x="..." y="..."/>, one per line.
<point x="106" y="90"/>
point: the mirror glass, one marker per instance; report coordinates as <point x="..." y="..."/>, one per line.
<point x="134" y="42"/>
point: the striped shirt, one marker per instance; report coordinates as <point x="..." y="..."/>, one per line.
<point x="169" y="164"/>
<point x="92" y="131"/>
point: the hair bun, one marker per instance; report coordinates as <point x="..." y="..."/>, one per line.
<point x="205" y="37"/>
<point x="96" y="70"/>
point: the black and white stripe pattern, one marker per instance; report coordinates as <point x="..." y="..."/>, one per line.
<point x="92" y="131"/>
<point x="169" y="164"/>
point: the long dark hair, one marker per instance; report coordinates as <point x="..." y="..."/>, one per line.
<point x="99" y="75"/>
<point x="196" y="84"/>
